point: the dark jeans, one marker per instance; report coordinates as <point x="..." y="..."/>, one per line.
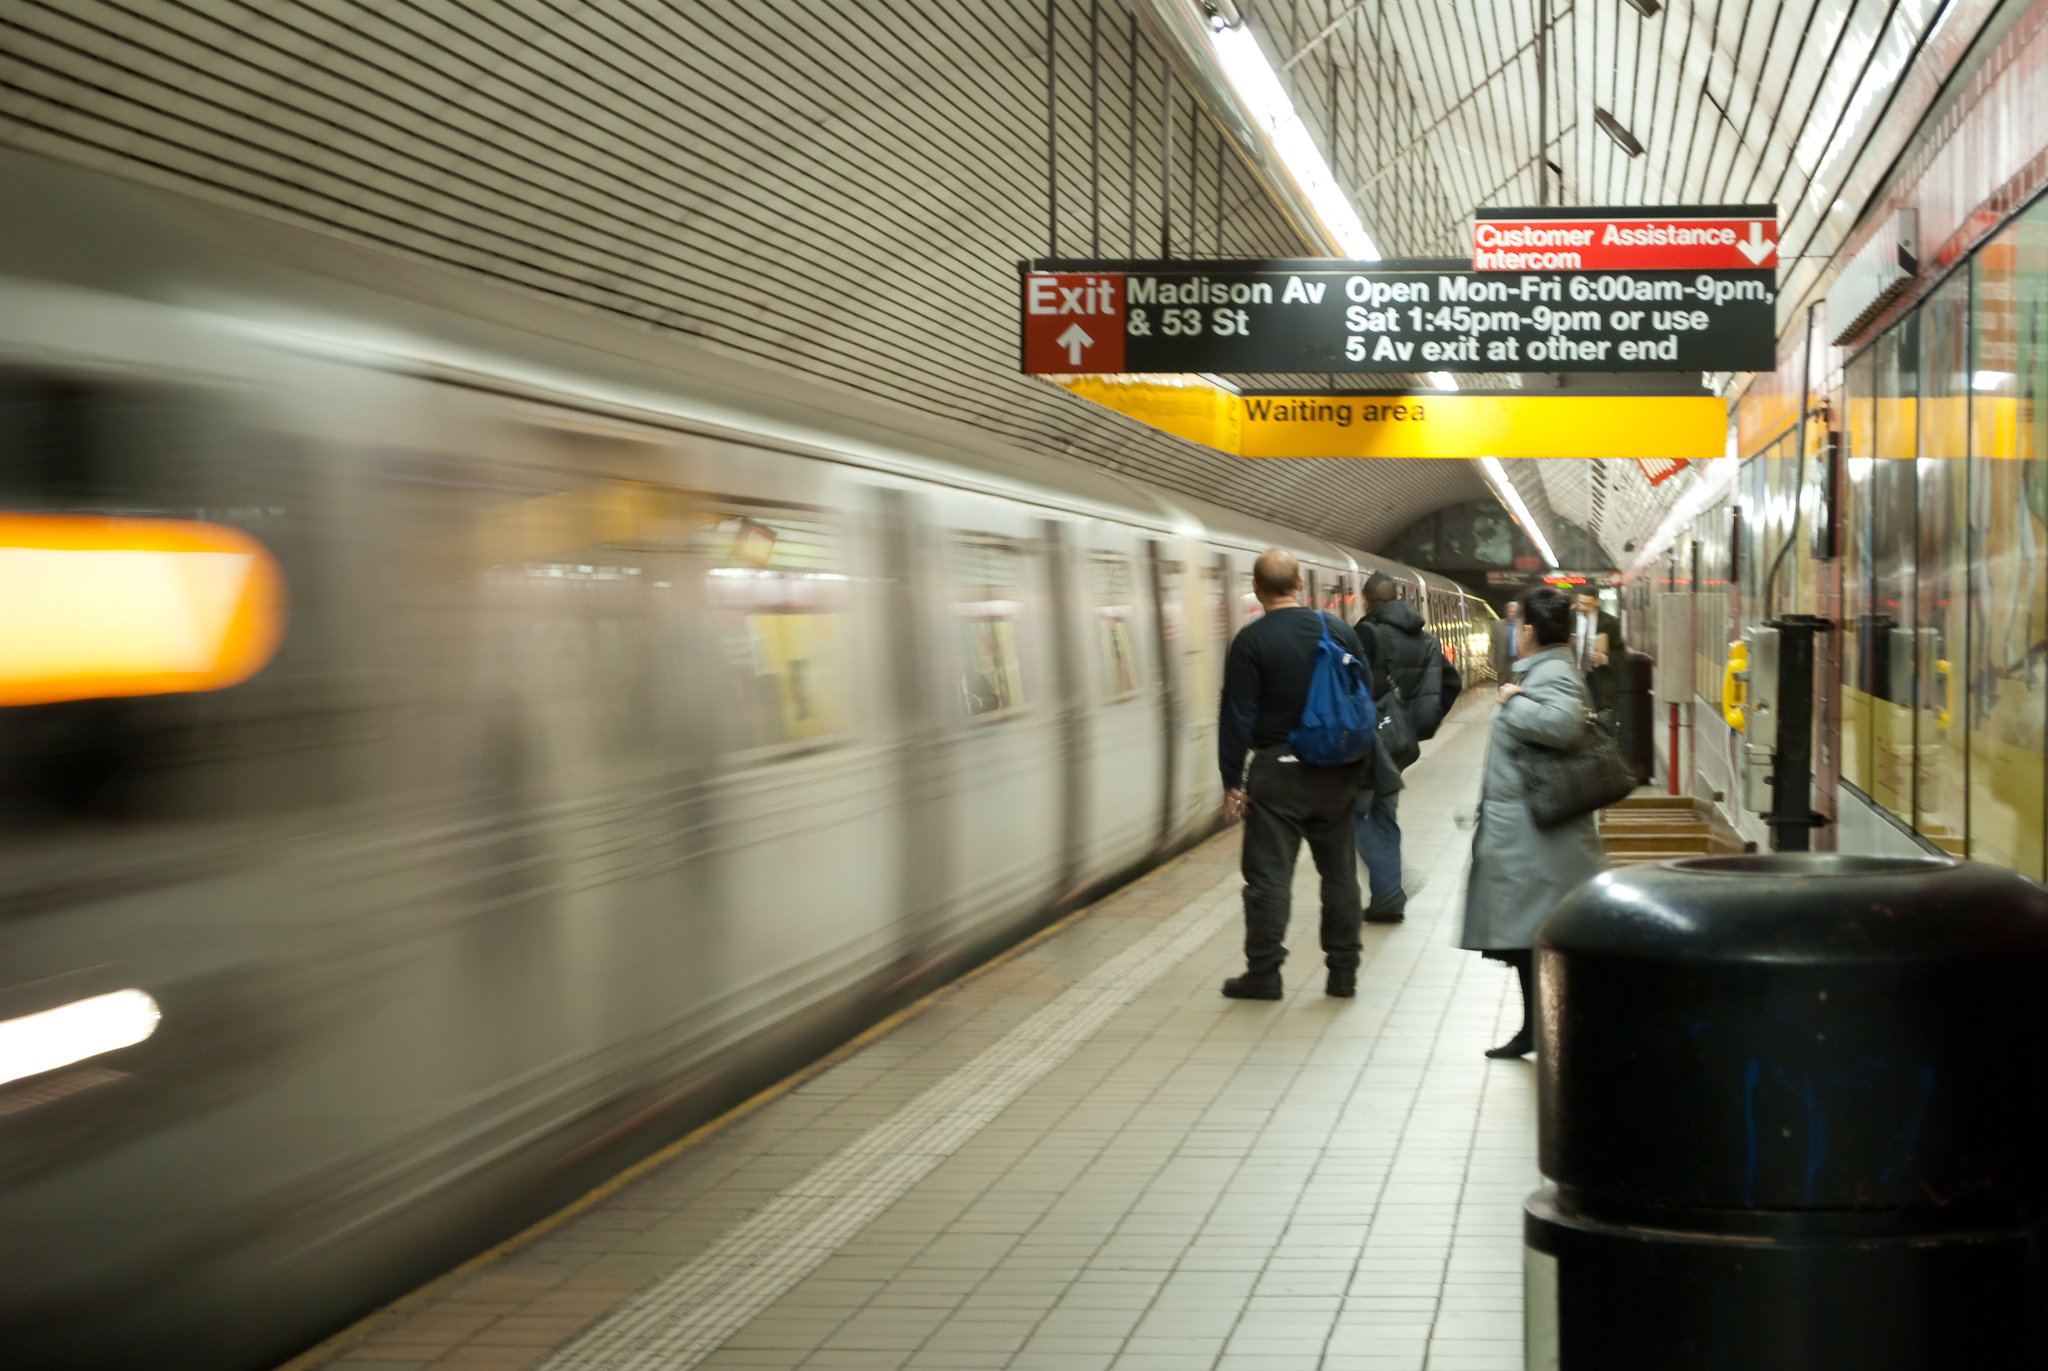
<point x="1292" y="801"/>
<point x="1378" y="830"/>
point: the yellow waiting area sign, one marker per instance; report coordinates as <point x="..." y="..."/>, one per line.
<point x="1427" y="424"/>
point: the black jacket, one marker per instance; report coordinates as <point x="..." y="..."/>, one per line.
<point x="1401" y="650"/>
<point x="1607" y="679"/>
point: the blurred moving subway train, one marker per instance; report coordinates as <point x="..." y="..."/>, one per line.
<point x="450" y="745"/>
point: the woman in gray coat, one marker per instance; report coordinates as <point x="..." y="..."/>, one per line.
<point x="1519" y="871"/>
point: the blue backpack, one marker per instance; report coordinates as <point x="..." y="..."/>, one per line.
<point x="1338" y="719"/>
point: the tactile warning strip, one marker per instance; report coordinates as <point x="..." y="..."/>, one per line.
<point x="682" y="1318"/>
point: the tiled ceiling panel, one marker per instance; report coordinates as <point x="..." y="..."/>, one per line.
<point x="1428" y="109"/>
<point x="840" y="190"/>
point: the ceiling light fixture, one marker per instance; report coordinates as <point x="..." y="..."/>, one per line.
<point x="1647" y="8"/>
<point x="1611" y="126"/>
<point x="1497" y="477"/>
<point x="1222" y="15"/>
<point x="1443" y="380"/>
<point x="1245" y="66"/>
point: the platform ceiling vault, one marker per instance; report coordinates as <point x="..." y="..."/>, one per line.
<point x="1427" y="109"/>
<point x="841" y="190"/>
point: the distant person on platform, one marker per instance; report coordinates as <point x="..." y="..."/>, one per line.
<point x="1519" y="871"/>
<point x="1282" y="799"/>
<point x="1596" y="639"/>
<point x="1398" y="649"/>
<point x="1504" y="640"/>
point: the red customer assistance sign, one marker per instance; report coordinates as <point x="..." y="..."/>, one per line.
<point x="1073" y="322"/>
<point x="1682" y="238"/>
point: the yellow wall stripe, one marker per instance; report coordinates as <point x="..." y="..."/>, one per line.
<point x="1429" y="424"/>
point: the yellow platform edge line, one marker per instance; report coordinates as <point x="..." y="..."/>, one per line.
<point x="364" y="1328"/>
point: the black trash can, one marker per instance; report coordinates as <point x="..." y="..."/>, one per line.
<point x="1793" y="1113"/>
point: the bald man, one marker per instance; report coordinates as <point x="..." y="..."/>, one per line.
<point x="1282" y="799"/>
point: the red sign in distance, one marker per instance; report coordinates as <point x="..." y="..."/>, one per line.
<point x="1073" y="323"/>
<point x="1606" y="242"/>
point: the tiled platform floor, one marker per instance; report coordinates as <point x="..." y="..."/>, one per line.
<point x="1199" y="1183"/>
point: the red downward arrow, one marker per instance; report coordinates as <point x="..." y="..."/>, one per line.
<point x="1758" y="247"/>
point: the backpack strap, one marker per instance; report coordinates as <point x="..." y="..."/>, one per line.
<point x="1375" y="650"/>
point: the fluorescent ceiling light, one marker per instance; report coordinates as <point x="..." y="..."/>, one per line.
<point x="1505" y="488"/>
<point x="1244" y="64"/>
<point x="35" y="1043"/>
<point x="1611" y="126"/>
<point x="1443" y="380"/>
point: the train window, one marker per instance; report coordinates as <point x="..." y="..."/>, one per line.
<point x="1894" y="532"/>
<point x="1714" y="532"/>
<point x="1858" y="659"/>
<point x="2008" y="616"/>
<point x="1214" y="585"/>
<point x="1942" y="579"/>
<point x="988" y="597"/>
<point x="1753" y="547"/>
<point x="778" y="593"/>
<point x="574" y="670"/>
<point x="1172" y="597"/>
<point x="1113" y="605"/>
<point x="1248" y="606"/>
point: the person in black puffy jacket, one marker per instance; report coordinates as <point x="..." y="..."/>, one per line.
<point x="1399" y="649"/>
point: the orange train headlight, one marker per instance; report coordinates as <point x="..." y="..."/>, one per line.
<point x="92" y="607"/>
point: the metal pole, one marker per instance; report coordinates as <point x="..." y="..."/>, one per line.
<point x="1052" y="135"/>
<point x="1792" y="815"/>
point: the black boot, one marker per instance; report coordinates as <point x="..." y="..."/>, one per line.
<point x="1343" y="982"/>
<point x="1521" y="1045"/>
<point x="1253" y="986"/>
<point x="1524" y="1041"/>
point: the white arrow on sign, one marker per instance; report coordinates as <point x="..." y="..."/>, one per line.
<point x="1073" y="340"/>
<point x="1758" y="247"/>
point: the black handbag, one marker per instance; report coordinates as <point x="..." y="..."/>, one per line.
<point x="1395" y="734"/>
<point x="1562" y="783"/>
